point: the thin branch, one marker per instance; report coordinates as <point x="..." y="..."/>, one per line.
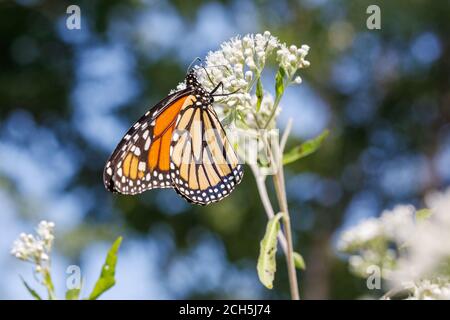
<point x="262" y="189"/>
<point x="281" y="195"/>
<point x="280" y="189"/>
<point x="285" y="136"/>
<point x="273" y="111"/>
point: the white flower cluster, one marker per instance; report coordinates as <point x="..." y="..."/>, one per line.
<point x="368" y="242"/>
<point x="291" y="59"/>
<point x="429" y="247"/>
<point x="412" y="250"/>
<point x="238" y="65"/>
<point x="394" y="225"/>
<point x="35" y="248"/>
<point x="366" y="231"/>
<point x="429" y="290"/>
<point x="238" y="62"/>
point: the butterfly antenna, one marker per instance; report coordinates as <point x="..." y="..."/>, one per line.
<point x="193" y="62"/>
<point x="207" y="74"/>
<point x="220" y="65"/>
<point x="224" y="94"/>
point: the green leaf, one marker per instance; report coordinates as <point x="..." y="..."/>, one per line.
<point x="305" y="149"/>
<point x="30" y="290"/>
<point x="49" y="285"/>
<point x="106" y="279"/>
<point x="299" y="261"/>
<point x="423" y="214"/>
<point x="259" y="94"/>
<point x="242" y="119"/>
<point x="73" y="294"/>
<point x="228" y="119"/>
<point x="279" y="82"/>
<point x="266" y="266"/>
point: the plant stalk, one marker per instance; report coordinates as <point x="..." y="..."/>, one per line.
<point x="262" y="190"/>
<point x="281" y="195"/>
<point x="49" y="284"/>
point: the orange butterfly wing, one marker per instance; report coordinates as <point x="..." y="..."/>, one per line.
<point x="141" y="160"/>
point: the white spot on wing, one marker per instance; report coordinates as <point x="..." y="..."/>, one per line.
<point x="147" y="144"/>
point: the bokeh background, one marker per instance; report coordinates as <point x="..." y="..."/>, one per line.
<point x="67" y="97"/>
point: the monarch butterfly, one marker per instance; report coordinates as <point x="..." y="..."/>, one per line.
<point x="180" y="144"/>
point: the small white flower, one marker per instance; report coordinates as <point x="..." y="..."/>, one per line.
<point x="365" y="231"/>
<point x="291" y="59"/>
<point x="439" y="204"/>
<point x="179" y="87"/>
<point x="248" y="76"/>
<point x="398" y="224"/>
<point x="298" y="80"/>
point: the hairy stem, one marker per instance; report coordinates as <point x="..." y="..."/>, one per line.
<point x="274" y="110"/>
<point x="49" y="284"/>
<point x="262" y="190"/>
<point x="285" y="135"/>
<point x="281" y="195"/>
<point x="280" y="189"/>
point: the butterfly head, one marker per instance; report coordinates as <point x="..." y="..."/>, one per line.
<point x="191" y="79"/>
<point x="200" y="92"/>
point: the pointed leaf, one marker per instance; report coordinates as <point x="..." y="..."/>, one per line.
<point x="30" y="290"/>
<point x="299" y="261"/>
<point x="423" y="214"/>
<point x="242" y="119"/>
<point x="229" y="119"/>
<point x="73" y="294"/>
<point x="266" y="262"/>
<point x="106" y="279"/>
<point x="259" y="94"/>
<point x="49" y="285"/>
<point x="279" y="82"/>
<point x="305" y="149"/>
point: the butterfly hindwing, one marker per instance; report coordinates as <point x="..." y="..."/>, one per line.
<point x="204" y="166"/>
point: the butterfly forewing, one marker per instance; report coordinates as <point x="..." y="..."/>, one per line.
<point x="140" y="162"/>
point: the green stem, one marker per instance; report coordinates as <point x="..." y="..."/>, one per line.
<point x="252" y="83"/>
<point x="286" y="82"/>
<point x="281" y="195"/>
<point x="274" y="109"/>
<point x="49" y="284"/>
<point x="262" y="190"/>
